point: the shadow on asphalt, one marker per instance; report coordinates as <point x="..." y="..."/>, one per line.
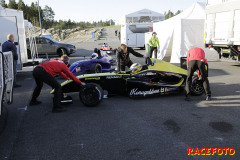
<point x="217" y="72"/>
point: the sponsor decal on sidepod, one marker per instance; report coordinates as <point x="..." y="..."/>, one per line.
<point x="136" y="92"/>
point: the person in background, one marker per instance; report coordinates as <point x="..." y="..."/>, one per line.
<point x="45" y="73"/>
<point x="154" y="44"/>
<point x="104" y="45"/>
<point x="10" y="46"/>
<point x="123" y="58"/>
<point x="119" y="35"/>
<point x="116" y="32"/>
<point x="96" y="54"/>
<point x="196" y="61"/>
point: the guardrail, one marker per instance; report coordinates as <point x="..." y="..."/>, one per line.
<point x="7" y="78"/>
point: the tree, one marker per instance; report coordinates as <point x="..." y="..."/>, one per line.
<point x="169" y="15"/>
<point x="3" y="4"/>
<point x="145" y="19"/>
<point x="48" y="16"/>
<point x="178" y="12"/>
<point x="21" y="5"/>
<point x="12" y="4"/>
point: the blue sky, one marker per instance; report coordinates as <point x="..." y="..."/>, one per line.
<point x="94" y="10"/>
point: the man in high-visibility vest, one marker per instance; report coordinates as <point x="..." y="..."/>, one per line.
<point x="154" y="44"/>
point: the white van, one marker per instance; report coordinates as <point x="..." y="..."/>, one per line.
<point x="222" y="28"/>
<point x="133" y="34"/>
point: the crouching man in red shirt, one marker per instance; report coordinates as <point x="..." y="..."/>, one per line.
<point x="45" y="73"/>
<point x="196" y="61"/>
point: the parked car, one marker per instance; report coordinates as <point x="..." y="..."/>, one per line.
<point x="51" y="46"/>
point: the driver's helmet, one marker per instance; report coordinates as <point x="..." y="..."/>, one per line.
<point x="136" y="67"/>
<point x="94" y="56"/>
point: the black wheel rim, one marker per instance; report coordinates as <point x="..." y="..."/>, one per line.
<point x="197" y="87"/>
<point x="98" y="70"/>
<point x="91" y="95"/>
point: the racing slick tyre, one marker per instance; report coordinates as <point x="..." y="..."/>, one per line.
<point x="96" y="68"/>
<point x="197" y="88"/>
<point x="91" y="94"/>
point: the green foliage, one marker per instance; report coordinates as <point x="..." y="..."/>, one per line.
<point x="178" y="12"/>
<point x="47" y="16"/>
<point x="3" y="4"/>
<point x="12" y="4"/>
<point x="170" y="14"/>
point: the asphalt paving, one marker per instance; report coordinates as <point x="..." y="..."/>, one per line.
<point x="120" y="128"/>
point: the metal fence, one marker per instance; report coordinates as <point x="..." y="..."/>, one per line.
<point x="7" y="78"/>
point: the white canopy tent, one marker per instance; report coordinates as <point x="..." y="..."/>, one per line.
<point x="12" y="21"/>
<point x="180" y="33"/>
<point x="143" y="15"/>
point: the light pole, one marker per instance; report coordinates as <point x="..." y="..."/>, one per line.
<point x="39" y="18"/>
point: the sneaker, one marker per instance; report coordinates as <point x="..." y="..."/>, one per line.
<point x="33" y="103"/>
<point x="187" y="98"/>
<point x="17" y="86"/>
<point x="58" y="110"/>
<point x="208" y="98"/>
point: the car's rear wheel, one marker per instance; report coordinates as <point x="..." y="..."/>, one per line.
<point x="197" y="88"/>
<point x="61" y="52"/>
<point x="91" y="94"/>
<point x="96" y="68"/>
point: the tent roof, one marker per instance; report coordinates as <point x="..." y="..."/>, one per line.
<point x="195" y="11"/>
<point x="144" y="12"/>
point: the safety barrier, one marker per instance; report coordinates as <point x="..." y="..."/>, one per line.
<point x="2" y="83"/>
<point x="7" y="78"/>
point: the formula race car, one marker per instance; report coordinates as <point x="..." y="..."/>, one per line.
<point x="107" y="49"/>
<point x="156" y="78"/>
<point x="98" y="63"/>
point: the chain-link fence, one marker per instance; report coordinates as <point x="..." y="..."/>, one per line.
<point x="6" y="78"/>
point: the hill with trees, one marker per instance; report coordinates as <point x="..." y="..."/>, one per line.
<point x="47" y="16"/>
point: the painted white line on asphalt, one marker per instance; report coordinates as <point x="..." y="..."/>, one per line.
<point x="25" y="108"/>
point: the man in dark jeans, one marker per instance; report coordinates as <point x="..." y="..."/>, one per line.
<point x="196" y="61"/>
<point x="123" y="58"/>
<point x="45" y="73"/>
<point x="10" y="46"/>
<point x="154" y="44"/>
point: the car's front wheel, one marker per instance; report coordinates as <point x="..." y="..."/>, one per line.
<point x="91" y="94"/>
